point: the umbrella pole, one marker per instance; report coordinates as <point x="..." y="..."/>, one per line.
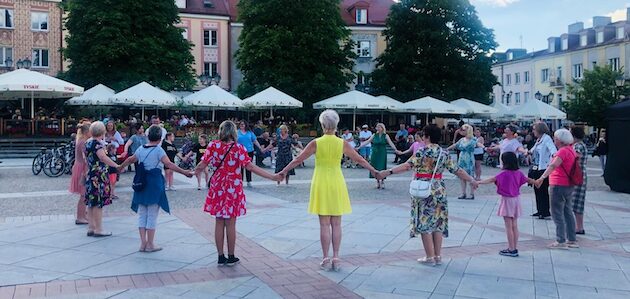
<point x="354" y="119"/>
<point x="33" y="112"/>
<point x="426" y="123"/>
<point x="142" y="113"/>
<point x="271" y="112"/>
<point x="213" y="114"/>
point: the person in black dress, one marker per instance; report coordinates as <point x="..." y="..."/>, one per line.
<point x="171" y="153"/>
<point x="199" y="149"/>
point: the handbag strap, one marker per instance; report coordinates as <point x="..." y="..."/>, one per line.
<point x="145" y="157"/>
<point x="221" y="163"/>
<point x="437" y="164"/>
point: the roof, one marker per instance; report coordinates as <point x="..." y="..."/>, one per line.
<point x="377" y="10"/>
<point x="219" y="8"/>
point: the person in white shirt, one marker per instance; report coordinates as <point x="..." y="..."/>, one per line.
<point x="542" y="153"/>
<point x="155" y="120"/>
<point x="366" y="150"/>
<point x="348" y="138"/>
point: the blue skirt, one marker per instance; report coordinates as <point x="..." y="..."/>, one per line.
<point x="153" y="192"/>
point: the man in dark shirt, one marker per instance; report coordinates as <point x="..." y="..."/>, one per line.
<point x="267" y="148"/>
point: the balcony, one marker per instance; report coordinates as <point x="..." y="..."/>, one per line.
<point x="556" y="83"/>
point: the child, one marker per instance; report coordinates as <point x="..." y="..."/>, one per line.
<point x="112" y="171"/>
<point x="199" y="149"/>
<point x="508" y="182"/>
<point x="171" y="151"/>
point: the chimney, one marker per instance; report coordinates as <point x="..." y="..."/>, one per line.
<point x="576" y="28"/>
<point x="601" y="21"/>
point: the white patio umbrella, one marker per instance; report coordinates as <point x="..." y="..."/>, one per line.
<point x="503" y="112"/>
<point x="390" y="102"/>
<point x="213" y="97"/>
<point x="473" y="107"/>
<point x="271" y="98"/>
<point x="144" y="95"/>
<point x="95" y="96"/>
<point x="430" y="105"/>
<point x="535" y="109"/>
<point x="354" y="100"/>
<point x="23" y="83"/>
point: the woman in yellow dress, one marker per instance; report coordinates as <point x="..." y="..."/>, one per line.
<point x="329" y="195"/>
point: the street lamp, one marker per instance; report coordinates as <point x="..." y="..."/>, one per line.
<point x="538" y="95"/>
<point x="215" y="79"/>
<point x="550" y="97"/>
<point x="207" y="80"/>
<point x="620" y="81"/>
<point x="23" y="63"/>
<point x="8" y="62"/>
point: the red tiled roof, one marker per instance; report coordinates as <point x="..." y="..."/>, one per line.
<point x="377" y="11"/>
<point x="219" y="8"/>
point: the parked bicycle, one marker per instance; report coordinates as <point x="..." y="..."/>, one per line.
<point x="39" y="160"/>
<point x="54" y="162"/>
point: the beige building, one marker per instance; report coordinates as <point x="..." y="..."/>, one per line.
<point x="31" y="30"/>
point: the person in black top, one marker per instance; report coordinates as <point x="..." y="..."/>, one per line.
<point x="171" y="152"/>
<point x="266" y="144"/>
<point x="199" y="149"/>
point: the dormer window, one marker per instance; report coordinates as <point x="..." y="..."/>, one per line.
<point x="361" y="16"/>
<point x="583" y="40"/>
<point x="208" y="3"/>
<point x="180" y="3"/>
<point x="600" y="37"/>
<point x="565" y="44"/>
<point x="620" y="33"/>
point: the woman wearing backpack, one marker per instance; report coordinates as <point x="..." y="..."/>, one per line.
<point x="561" y="186"/>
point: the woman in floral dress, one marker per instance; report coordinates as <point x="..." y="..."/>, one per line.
<point x="429" y="216"/>
<point x="284" y="155"/>
<point x="225" y="199"/>
<point x="466" y="147"/>
<point x="97" y="185"/>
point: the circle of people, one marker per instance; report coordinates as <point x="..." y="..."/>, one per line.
<point x="230" y="156"/>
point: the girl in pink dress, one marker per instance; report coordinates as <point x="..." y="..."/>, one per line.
<point x="508" y="182"/>
<point x="226" y="200"/>
<point x="79" y="171"/>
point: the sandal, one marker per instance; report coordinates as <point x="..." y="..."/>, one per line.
<point x="462" y="197"/>
<point x="558" y="245"/>
<point x="90" y="233"/>
<point x="429" y="261"/>
<point x="77" y="222"/>
<point x="325" y="264"/>
<point x="573" y="244"/>
<point x="154" y="249"/>
<point x="438" y="260"/>
<point x="335" y="264"/>
<point x="100" y="235"/>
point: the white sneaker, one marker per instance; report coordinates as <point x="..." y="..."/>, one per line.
<point x="172" y="188"/>
<point x="167" y="189"/>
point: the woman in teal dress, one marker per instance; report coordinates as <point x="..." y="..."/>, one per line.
<point x="466" y="160"/>
<point x="379" y="151"/>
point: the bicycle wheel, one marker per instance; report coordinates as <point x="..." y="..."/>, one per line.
<point x="37" y="164"/>
<point x="54" y="167"/>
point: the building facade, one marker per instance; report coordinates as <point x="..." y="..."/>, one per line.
<point x="206" y="26"/>
<point x="564" y="61"/>
<point x="364" y="18"/>
<point x="31" y="30"/>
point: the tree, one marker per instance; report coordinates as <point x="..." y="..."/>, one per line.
<point x="437" y="48"/>
<point x="120" y="43"/>
<point x="590" y="96"/>
<point x="300" y="47"/>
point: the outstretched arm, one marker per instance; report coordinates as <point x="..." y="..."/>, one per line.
<point x="308" y="151"/>
<point x="389" y="140"/>
<point x="487" y="181"/>
<point x="366" y="142"/>
<point x="349" y="151"/>
<point x="259" y="171"/>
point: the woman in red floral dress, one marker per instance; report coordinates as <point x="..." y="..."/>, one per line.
<point x="226" y="200"/>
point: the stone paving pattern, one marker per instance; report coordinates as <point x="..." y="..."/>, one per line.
<point x="43" y="254"/>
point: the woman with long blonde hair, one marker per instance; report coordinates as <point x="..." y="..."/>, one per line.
<point x="466" y="161"/>
<point x="79" y="170"/>
<point x="379" y="151"/>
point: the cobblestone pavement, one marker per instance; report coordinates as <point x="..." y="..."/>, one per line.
<point x="43" y="254"/>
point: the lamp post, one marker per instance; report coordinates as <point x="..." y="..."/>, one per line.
<point x="620" y="82"/>
<point x="550" y="97"/>
<point x="8" y="63"/>
<point x="23" y="63"/>
<point x="208" y="80"/>
<point x="538" y="95"/>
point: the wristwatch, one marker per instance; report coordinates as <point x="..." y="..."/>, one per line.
<point x="391" y="171"/>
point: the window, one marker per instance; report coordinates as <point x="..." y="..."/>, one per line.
<point x="565" y="44"/>
<point x="559" y="100"/>
<point x="583" y="40"/>
<point x="362" y="79"/>
<point x="364" y="48"/>
<point x="5" y="54"/>
<point x="614" y="63"/>
<point x="40" y="58"/>
<point x="180" y="3"/>
<point x="210" y="68"/>
<point x="526" y="96"/>
<point x="620" y="33"/>
<point x="544" y="75"/>
<point x="559" y="73"/>
<point x="594" y="64"/>
<point x="210" y="38"/>
<point x="517" y="78"/>
<point x="526" y="76"/>
<point x="508" y="79"/>
<point x="185" y="33"/>
<point x="600" y="37"/>
<point x="517" y="98"/>
<point x="39" y="21"/>
<point x="361" y="17"/>
<point x="6" y="19"/>
<point x="577" y="71"/>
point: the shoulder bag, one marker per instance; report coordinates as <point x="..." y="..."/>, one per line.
<point x="220" y="163"/>
<point x="420" y="188"/>
<point x="140" y="178"/>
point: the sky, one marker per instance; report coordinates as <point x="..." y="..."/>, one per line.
<point x="537" y="20"/>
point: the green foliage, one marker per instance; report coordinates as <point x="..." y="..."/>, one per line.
<point x="590" y="96"/>
<point x="437" y="48"/>
<point x="120" y="43"/>
<point x="300" y="47"/>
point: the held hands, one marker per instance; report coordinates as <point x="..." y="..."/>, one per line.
<point x="279" y="177"/>
<point x="474" y="184"/>
<point x="398" y="152"/>
<point x="189" y="174"/>
<point x="538" y="183"/>
<point x="379" y="175"/>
